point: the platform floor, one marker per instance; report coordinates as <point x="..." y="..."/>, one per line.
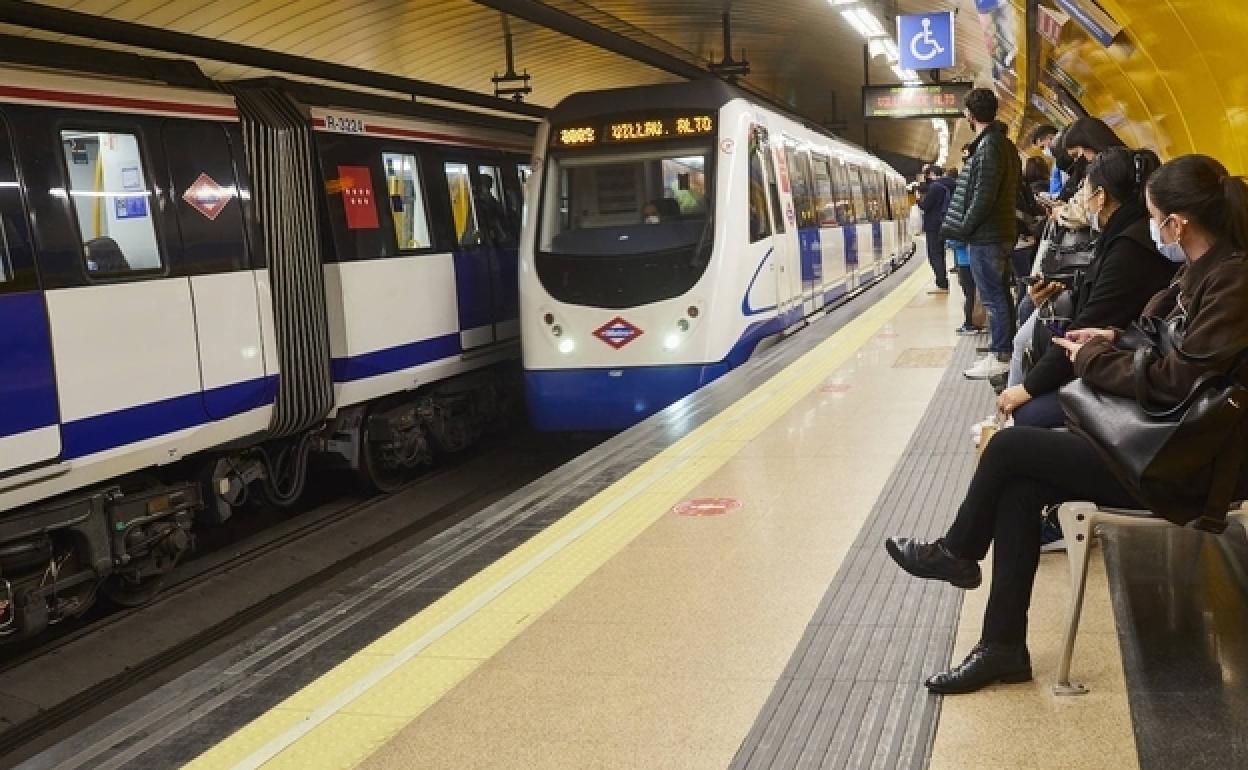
<point x="707" y="591"/>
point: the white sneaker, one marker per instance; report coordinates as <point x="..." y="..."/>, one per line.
<point x="986" y="367"/>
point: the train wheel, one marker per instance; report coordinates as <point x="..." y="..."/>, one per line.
<point x="125" y="591"/>
<point x="393" y="446"/>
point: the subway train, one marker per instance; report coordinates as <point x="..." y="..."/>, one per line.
<point x="205" y="290"/>
<point x="672" y="229"/>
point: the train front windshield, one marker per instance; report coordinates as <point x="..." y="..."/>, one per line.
<point x="653" y="201"/>
<point x="624" y="229"/>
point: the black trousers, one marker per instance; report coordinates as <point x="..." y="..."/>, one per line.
<point x="967" y="282"/>
<point x="1022" y="471"/>
<point x="936" y="258"/>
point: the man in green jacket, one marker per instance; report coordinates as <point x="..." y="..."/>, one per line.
<point x="981" y="214"/>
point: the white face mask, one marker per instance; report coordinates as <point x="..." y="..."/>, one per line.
<point x="1048" y="151"/>
<point x="1171" y="251"/>
<point x="653" y="219"/>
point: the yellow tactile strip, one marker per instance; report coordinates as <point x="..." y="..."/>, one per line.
<point x="342" y="717"/>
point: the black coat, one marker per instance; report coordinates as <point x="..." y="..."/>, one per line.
<point x="935" y="202"/>
<point x="982" y="209"/>
<point x="1124" y="275"/>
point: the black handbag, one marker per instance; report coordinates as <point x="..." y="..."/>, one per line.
<point x="1190" y="452"/>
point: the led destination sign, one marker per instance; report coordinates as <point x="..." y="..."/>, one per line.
<point x="943" y="100"/>
<point x="625" y="131"/>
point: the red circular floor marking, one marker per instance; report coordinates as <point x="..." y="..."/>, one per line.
<point x="706" y="506"/>
<point x="835" y="387"/>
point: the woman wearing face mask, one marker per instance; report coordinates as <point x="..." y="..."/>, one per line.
<point x="1198" y="206"/>
<point x="1084" y="140"/>
<point x="1126" y="271"/>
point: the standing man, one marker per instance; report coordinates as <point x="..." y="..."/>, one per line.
<point x="982" y="215"/>
<point x="934" y="203"/>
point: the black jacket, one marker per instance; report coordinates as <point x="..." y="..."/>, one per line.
<point x="982" y="209"/>
<point x="935" y="202"/>
<point x="1124" y="275"/>
<point x="1210" y="293"/>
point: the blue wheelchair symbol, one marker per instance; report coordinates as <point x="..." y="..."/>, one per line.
<point x="926" y="41"/>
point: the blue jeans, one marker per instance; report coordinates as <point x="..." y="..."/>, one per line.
<point x="1022" y="341"/>
<point x="991" y="267"/>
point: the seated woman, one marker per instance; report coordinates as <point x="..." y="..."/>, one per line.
<point x="1125" y="272"/>
<point x="1200" y="211"/>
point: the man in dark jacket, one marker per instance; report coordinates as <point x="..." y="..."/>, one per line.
<point x="934" y="203"/>
<point x="982" y="214"/>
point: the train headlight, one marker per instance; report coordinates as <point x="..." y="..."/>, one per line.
<point x="671" y="342"/>
<point x="566" y="346"/>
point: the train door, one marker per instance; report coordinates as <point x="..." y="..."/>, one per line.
<point x="761" y="294"/>
<point x="499" y="207"/>
<point x="119" y="305"/>
<point x="214" y="252"/>
<point x="788" y="286"/>
<point x="810" y="253"/>
<point x="29" y="415"/>
<point x="831" y="242"/>
<point x="474" y="209"/>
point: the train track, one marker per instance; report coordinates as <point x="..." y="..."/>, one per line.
<point x="247" y="555"/>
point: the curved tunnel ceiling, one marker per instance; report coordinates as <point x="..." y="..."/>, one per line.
<point x="802" y="52"/>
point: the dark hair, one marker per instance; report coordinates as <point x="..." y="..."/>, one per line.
<point x="1091" y="133"/>
<point x="1123" y="173"/>
<point x="1042" y="132"/>
<point x="1036" y="171"/>
<point x="1060" y="158"/>
<point x="951" y="172"/>
<point x="934" y="170"/>
<point x="982" y="104"/>
<point x="1200" y="188"/>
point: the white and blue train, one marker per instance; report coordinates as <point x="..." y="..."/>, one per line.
<point x="673" y="228"/>
<point x="205" y="289"/>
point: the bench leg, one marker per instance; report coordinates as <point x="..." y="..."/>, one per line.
<point x="1077" y="520"/>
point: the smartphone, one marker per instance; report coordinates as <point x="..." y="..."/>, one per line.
<point x="1032" y="280"/>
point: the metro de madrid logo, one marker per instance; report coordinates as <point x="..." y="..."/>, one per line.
<point x="617" y="332"/>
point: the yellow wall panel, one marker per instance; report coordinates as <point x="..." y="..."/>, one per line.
<point x="1174" y="80"/>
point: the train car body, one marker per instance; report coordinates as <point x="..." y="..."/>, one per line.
<point x="674" y="229"/>
<point x="204" y="290"/>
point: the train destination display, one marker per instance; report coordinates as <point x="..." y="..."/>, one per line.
<point x="942" y="100"/>
<point x="639" y="130"/>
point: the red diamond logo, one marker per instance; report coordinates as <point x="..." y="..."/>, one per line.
<point x="207" y="197"/>
<point x="617" y="332"/>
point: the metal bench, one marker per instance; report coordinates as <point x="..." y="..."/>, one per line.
<point x="1079" y="522"/>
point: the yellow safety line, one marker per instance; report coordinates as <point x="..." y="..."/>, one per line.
<point x="354" y="709"/>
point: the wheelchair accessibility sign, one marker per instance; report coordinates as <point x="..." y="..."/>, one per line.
<point x="925" y="41"/>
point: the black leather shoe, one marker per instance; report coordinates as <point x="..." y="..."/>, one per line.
<point x="932" y="561"/>
<point x="987" y="664"/>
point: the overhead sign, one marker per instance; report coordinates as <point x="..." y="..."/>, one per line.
<point x="943" y="100"/>
<point x="1100" y="25"/>
<point x="925" y="41"/>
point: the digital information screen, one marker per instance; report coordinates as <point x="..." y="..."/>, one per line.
<point x="626" y="131"/>
<point x="943" y="100"/>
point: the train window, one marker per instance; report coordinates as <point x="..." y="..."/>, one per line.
<point x="499" y="215"/>
<point x="463" y="209"/>
<point x="858" y="195"/>
<point x="801" y="187"/>
<point x="407" y="200"/>
<point x="639" y="202"/>
<point x="825" y="194"/>
<point x="760" y="225"/>
<point x="777" y="210"/>
<point x="112" y="200"/>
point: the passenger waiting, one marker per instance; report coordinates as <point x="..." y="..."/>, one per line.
<point x="1125" y="272"/>
<point x="650" y="213"/>
<point x="1086" y="138"/>
<point x="1201" y="212"/>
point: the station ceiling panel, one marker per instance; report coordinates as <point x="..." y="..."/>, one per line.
<point x="802" y="52"/>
